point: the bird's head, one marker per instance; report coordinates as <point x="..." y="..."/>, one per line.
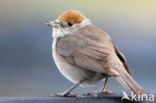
<point x="69" y="22"/>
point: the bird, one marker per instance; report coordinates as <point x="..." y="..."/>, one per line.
<point x="85" y="54"/>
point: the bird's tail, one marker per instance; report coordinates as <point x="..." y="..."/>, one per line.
<point x="129" y="83"/>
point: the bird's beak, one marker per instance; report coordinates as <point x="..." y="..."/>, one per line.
<point x="50" y="23"/>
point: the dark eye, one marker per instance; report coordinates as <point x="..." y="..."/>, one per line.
<point x="70" y="23"/>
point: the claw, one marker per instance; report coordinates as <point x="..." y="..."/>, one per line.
<point x="63" y="95"/>
<point x="108" y="91"/>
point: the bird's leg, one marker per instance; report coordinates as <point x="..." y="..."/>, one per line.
<point x="67" y="92"/>
<point x="103" y="89"/>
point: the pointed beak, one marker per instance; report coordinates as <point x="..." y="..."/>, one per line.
<point x="50" y="23"/>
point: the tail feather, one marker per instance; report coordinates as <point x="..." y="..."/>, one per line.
<point x="129" y="83"/>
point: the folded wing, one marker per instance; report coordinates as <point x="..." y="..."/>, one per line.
<point x="88" y="50"/>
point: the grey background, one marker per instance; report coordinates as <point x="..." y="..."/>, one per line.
<point x="26" y="65"/>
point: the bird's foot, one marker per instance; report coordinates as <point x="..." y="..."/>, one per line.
<point x="106" y="91"/>
<point x="64" y="95"/>
<point x="97" y="94"/>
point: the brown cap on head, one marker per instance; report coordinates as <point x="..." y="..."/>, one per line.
<point x="71" y="16"/>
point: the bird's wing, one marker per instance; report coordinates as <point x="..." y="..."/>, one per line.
<point x="122" y="58"/>
<point x="88" y="48"/>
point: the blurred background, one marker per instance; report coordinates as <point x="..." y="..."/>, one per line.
<point x="26" y="64"/>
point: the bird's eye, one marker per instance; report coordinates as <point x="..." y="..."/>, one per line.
<point x="70" y="23"/>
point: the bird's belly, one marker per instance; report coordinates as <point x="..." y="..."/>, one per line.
<point x="76" y="74"/>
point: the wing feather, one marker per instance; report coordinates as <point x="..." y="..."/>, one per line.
<point x="88" y="49"/>
<point x="122" y="58"/>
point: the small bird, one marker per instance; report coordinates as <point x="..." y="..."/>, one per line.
<point x="85" y="54"/>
